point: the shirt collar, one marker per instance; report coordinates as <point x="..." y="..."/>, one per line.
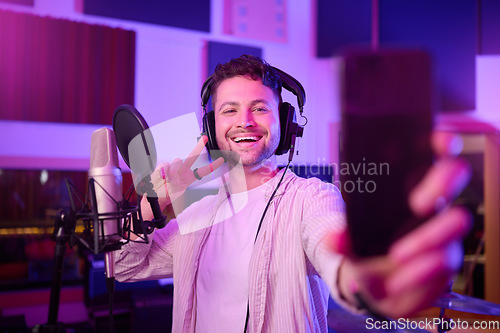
<point x="223" y="193"/>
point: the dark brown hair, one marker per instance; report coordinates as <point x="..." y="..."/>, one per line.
<point x="247" y="65"/>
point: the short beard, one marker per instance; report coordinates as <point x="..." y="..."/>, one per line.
<point x="234" y="158"/>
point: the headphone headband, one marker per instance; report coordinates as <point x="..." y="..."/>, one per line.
<point x="291" y="84"/>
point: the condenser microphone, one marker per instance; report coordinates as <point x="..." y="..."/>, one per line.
<point x="107" y="178"/>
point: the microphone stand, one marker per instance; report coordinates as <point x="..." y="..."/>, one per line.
<point x="64" y="234"/>
<point x="64" y="230"/>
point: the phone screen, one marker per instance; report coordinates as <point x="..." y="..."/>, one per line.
<point x="385" y="143"/>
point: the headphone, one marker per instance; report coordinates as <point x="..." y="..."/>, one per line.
<point x="290" y="129"/>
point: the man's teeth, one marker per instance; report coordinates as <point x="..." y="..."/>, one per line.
<point x="245" y="138"/>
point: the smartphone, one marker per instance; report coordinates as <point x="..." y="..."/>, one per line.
<point x="387" y="119"/>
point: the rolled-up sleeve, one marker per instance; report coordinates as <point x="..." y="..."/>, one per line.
<point x="139" y="261"/>
<point x="323" y="215"/>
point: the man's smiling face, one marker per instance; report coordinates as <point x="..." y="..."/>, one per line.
<point x="247" y="119"/>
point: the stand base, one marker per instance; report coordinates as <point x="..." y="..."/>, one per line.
<point x="57" y="328"/>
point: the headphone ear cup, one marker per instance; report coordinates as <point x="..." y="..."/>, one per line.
<point x="208" y="122"/>
<point x="286" y="118"/>
<point x="289" y="128"/>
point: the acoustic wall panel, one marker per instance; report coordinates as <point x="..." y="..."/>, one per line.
<point x="258" y="19"/>
<point x="58" y="70"/>
<point x="20" y="2"/>
<point x="489" y="17"/>
<point x="447" y="30"/>
<point x="185" y="14"/>
<point x="341" y="23"/>
<point x="223" y="52"/>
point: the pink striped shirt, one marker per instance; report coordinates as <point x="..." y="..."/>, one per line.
<point x="288" y="268"/>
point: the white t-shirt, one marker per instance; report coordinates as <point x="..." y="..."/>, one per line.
<point x="222" y="281"/>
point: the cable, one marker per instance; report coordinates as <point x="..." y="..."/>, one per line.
<point x="258" y="229"/>
<point x="270" y="199"/>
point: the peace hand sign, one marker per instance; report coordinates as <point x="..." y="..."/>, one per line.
<point x="170" y="180"/>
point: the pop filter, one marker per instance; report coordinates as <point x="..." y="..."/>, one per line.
<point x="134" y="140"/>
<point x="136" y="145"/>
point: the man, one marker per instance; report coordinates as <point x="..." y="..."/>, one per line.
<point x="248" y="258"/>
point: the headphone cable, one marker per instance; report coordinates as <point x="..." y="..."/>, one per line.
<point x="258" y="229"/>
<point x="270" y="199"/>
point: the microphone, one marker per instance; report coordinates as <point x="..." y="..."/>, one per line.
<point x="107" y="178"/>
